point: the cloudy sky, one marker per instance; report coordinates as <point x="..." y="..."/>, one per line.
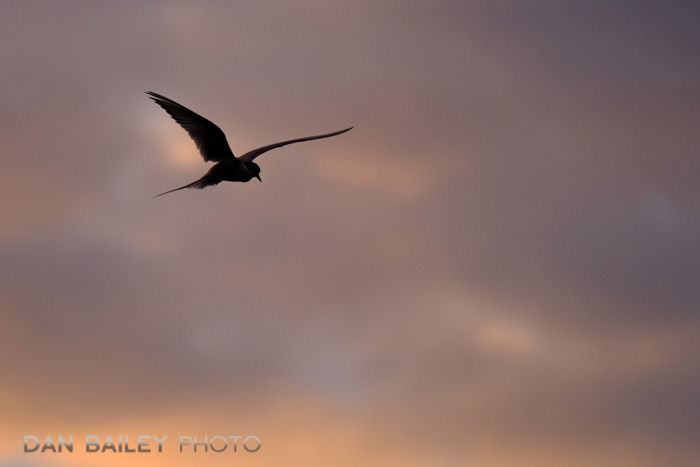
<point x="498" y="266"/>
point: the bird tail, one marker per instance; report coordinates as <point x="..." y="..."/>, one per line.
<point x="199" y="184"/>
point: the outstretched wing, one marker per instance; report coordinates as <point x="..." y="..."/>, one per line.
<point x="210" y="140"/>
<point x="249" y="156"/>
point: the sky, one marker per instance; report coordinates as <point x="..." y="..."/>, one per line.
<point x="498" y="266"/>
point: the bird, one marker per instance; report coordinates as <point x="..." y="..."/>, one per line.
<point x="212" y="146"/>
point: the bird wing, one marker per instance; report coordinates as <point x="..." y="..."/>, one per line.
<point x="210" y="140"/>
<point x="249" y="156"/>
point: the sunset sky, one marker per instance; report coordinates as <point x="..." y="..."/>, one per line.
<point x="499" y="266"/>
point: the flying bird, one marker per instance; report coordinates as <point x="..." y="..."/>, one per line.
<point x="212" y="145"/>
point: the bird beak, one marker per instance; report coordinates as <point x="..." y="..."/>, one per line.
<point x="258" y="177"/>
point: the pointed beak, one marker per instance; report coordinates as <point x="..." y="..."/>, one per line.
<point x="258" y="177"/>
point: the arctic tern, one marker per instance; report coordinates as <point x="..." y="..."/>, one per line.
<point x="212" y="145"/>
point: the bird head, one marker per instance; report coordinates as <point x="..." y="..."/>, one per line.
<point x="255" y="168"/>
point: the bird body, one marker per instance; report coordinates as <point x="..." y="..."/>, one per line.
<point x="233" y="170"/>
<point x="226" y="170"/>
<point x="212" y="145"/>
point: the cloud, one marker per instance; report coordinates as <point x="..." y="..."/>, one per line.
<point x="497" y="266"/>
<point x="399" y="180"/>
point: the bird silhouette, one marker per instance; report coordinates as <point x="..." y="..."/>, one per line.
<point x="212" y="145"/>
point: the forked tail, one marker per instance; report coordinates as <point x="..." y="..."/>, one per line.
<point x="199" y="184"/>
